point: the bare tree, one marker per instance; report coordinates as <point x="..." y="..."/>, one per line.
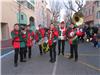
<point x="69" y="5"/>
<point x="55" y="8"/>
<point x="80" y="4"/>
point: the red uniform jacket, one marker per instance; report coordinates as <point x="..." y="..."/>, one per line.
<point x="40" y="34"/>
<point x="53" y="34"/>
<point x="30" y="36"/>
<point x="79" y="33"/>
<point x="16" y="39"/>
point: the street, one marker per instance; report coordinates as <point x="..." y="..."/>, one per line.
<point x="88" y="63"/>
<point x="47" y="23"/>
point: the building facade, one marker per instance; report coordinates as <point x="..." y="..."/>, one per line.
<point x="97" y="13"/>
<point x="24" y="12"/>
<point x="91" y="13"/>
<point x="40" y="13"/>
<point x="49" y="16"/>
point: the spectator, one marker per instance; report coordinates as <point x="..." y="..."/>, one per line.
<point x="98" y="38"/>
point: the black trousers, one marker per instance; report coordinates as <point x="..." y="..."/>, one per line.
<point x="29" y="51"/>
<point x="82" y="38"/>
<point x="61" y="43"/>
<point x="74" y="51"/>
<point x="16" y="55"/>
<point x="23" y="52"/>
<point x="40" y="48"/>
<point x="95" y="43"/>
<point x="53" y="52"/>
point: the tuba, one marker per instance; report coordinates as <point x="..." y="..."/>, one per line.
<point x="78" y="18"/>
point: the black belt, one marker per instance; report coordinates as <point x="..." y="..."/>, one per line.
<point x="16" y="41"/>
<point x="19" y="41"/>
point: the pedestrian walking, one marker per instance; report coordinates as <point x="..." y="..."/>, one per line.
<point x="98" y="38"/>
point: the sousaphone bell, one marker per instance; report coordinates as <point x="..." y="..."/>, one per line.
<point x="78" y="18"/>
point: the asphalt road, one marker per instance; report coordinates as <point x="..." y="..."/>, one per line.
<point x="88" y="63"/>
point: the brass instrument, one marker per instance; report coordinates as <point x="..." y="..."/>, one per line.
<point x="78" y="18"/>
<point x="44" y="44"/>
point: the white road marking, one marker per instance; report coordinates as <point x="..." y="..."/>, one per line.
<point x="89" y="65"/>
<point x="84" y="54"/>
<point x="55" y="66"/>
<point x="7" y="48"/>
<point x="2" y="56"/>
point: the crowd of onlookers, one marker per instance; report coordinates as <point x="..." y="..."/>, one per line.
<point x="91" y="34"/>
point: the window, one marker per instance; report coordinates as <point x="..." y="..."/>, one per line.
<point x="21" y="2"/>
<point x="42" y="1"/>
<point x="93" y="9"/>
<point x="90" y="11"/>
<point x="86" y="13"/>
<point x="98" y="3"/>
<point x="98" y="15"/>
<point x="22" y="17"/>
<point x="4" y="31"/>
<point x="30" y="6"/>
<point x="32" y="1"/>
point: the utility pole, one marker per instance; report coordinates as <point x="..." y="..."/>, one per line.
<point x="19" y="10"/>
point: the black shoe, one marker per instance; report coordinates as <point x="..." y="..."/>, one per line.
<point x="58" y="53"/>
<point x="53" y="61"/>
<point x="50" y="60"/>
<point x="70" y="57"/>
<point x="63" y="54"/>
<point x="41" y="54"/>
<point x="15" y="64"/>
<point x="23" y="61"/>
<point x="76" y="59"/>
<point x="29" y="57"/>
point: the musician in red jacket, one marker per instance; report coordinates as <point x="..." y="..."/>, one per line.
<point x="29" y="42"/>
<point x="73" y="35"/>
<point x="52" y="39"/>
<point x="39" y="37"/>
<point x="61" y="37"/>
<point x="16" y="43"/>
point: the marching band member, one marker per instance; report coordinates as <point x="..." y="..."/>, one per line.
<point x="73" y="41"/>
<point x="52" y="39"/>
<point x="23" y="49"/>
<point x="30" y="37"/>
<point x="61" y="37"/>
<point x="16" y="43"/>
<point x="39" y="37"/>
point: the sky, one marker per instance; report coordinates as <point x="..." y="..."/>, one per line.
<point x="62" y="12"/>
